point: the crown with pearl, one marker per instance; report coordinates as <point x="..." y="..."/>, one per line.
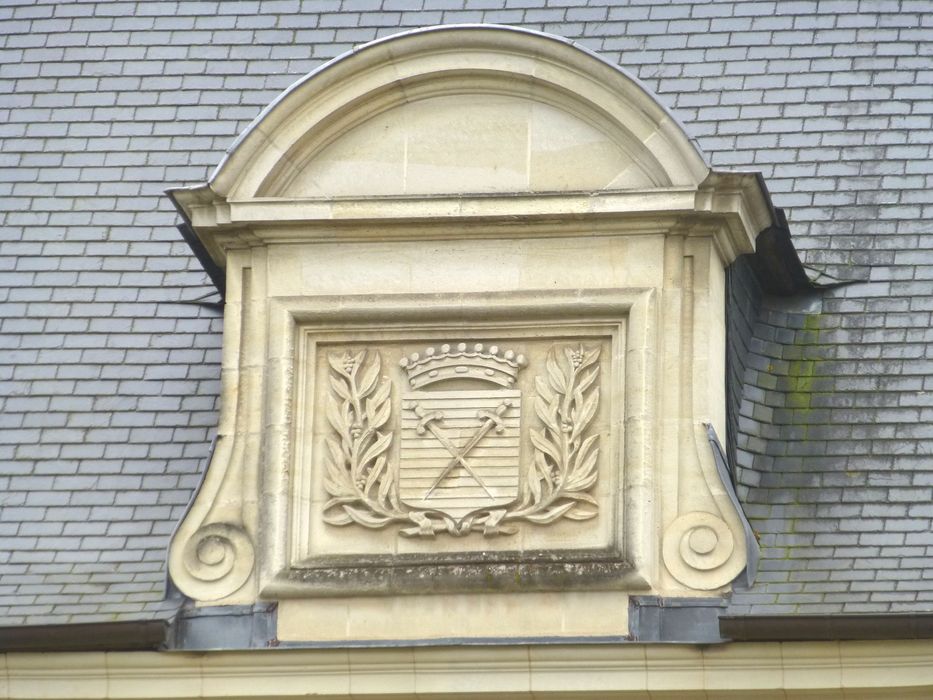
<point x="463" y="361"/>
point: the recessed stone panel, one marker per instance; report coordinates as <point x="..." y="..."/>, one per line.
<point x="482" y="444"/>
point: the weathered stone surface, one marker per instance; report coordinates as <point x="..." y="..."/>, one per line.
<point x="421" y="396"/>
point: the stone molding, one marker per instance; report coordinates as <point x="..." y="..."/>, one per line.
<point x="732" y="198"/>
<point x="613" y="560"/>
<point x="780" y="670"/>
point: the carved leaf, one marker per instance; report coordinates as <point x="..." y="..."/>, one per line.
<point x="332" y="487"/>
<point x="376" y="448"/>
<point x="338" y="482"/>
<point x="549" y="515"/>
<point x="580" y="496"/>
<point x="534" y="479"/>
<point x="586" y="412"/>
<point x="525" y="488"/>
<point x="542" y="443"/>
<point x="587" y="379"/>
<point x="544" y="470"/>
<point x="556" y="375"/>
<point x="339" y="387"/>
<point x="375" y="473"/>
<point x="358" y="361"/>
<point x="587" y="475"/>
<point x="370" y="376"/>
<point x="577" y="402"/>
<point x="554" y="408"/>
<point x="581" y="458"/>
<point x="339" y="501"/>
<point x="349" y="415"/>
<point x="366" y="518"/>
<point x="544" y="391"/>
<point x="346" y="445"/>
<point x="393" y="496"/>
<point x="546" y="414"/>
<point x="387" y="482"/>
<point x="568" y="354"/>
<point x="577" y="514"/>
<point x="336" y="453"/>
<point x="588" y="465"/>
<point x="589" y="357"/>
<point x="382" y="393"/>
<point x="377" y="415"/>
<point x="338" y="517"/>
<point x="335" y="416"/>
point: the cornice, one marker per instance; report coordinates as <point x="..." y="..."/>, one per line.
<point x="834" y="669"/>
<point x="730" y="207"/>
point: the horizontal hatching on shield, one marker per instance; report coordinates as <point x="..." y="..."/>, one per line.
<point x="424" y="456"/>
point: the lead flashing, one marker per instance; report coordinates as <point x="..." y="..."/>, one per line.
<point x="787" y="628"/>
<point x="141" y="635"/>
<point x="675" y="620"/>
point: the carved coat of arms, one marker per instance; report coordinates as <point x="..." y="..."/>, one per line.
<point x="459" y="465"/>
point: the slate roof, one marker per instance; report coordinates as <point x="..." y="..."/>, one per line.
<point x="109" y="371"/>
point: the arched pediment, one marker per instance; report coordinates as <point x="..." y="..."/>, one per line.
<point x="465" y="124"/>
<point x="461" y="110"/>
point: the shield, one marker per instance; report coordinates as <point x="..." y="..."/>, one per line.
<point x="459" y="450"/>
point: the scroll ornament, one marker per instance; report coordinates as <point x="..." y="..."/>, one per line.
<point x="698" y="548"/>
<point x="216" y="561"/>
<point x="364" y="486"/>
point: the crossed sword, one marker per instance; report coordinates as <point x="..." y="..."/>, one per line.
<point x="426" y="422"/>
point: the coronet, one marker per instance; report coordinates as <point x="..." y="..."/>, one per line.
<point x="463" y="361"/>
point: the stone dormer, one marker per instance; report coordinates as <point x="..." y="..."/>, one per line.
<point x="474" y="348"/>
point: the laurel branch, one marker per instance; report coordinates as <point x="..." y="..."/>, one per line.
<point x="358" y="477"/>
<point x="564" y="468"/>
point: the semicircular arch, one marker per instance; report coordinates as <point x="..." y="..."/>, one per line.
<point x="461" y="110"/>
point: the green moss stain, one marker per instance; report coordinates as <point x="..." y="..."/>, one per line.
<point x="801" y="372"/>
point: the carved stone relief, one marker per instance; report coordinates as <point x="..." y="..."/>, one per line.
<point x="436" y="455"/>
<point x="421" y="397"/>
<point x="459" y="465"/>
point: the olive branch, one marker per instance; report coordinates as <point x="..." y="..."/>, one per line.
<point x="556" y="482"/>
<point x="358" y="476"/>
